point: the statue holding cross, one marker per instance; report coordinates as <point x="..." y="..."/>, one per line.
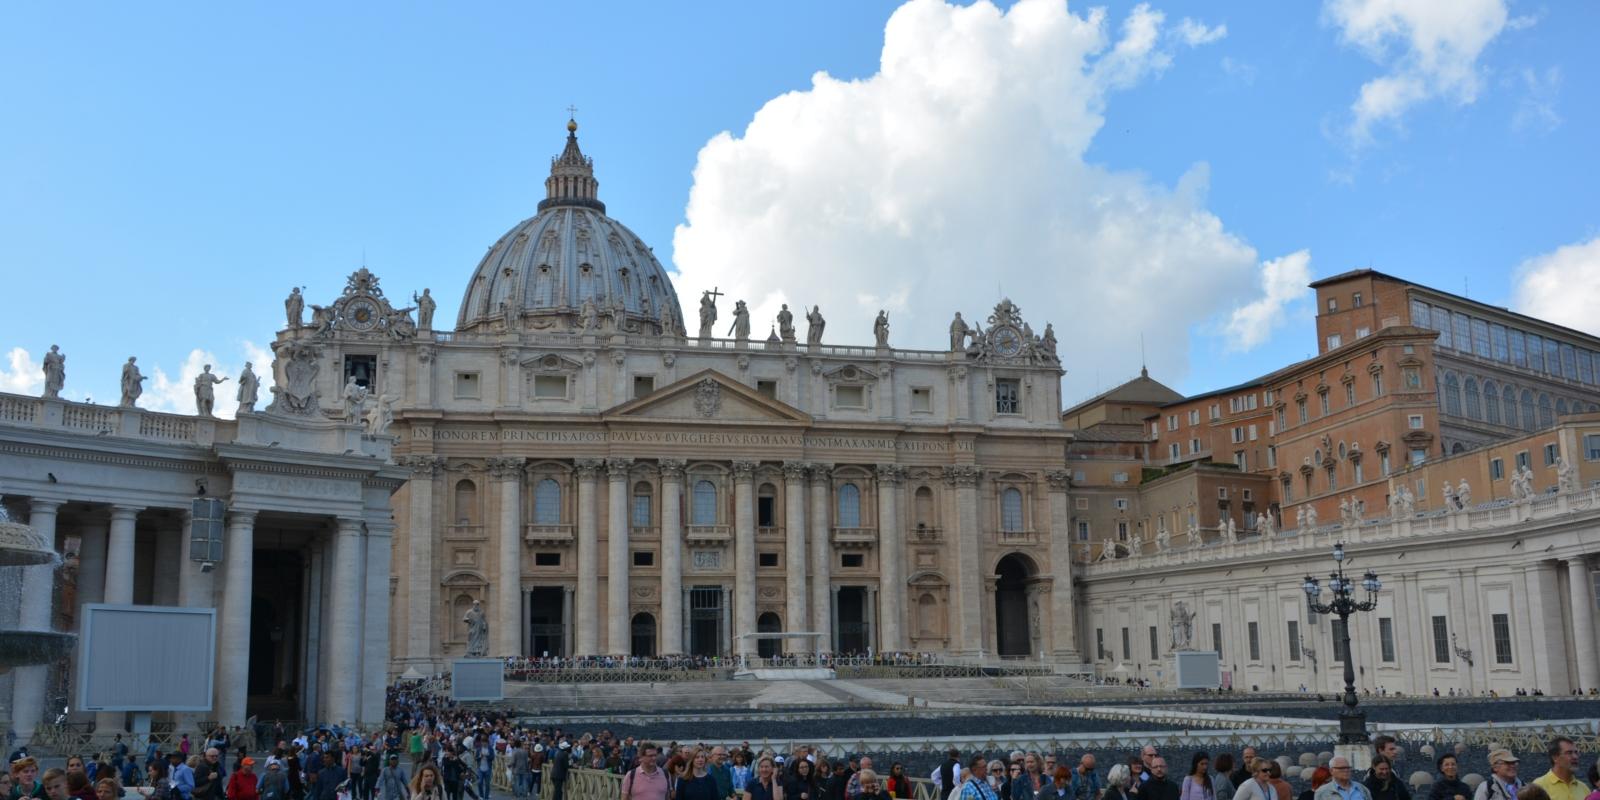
<point x="708" y="311"/>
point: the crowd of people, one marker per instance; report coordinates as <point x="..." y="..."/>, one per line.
<point x="522" y="667"/>
<point x="430" y="749"/>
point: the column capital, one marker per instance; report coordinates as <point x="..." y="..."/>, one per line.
<point x="890" y="474"/>
<point x="43" y="505"/>
<point x="380" y="527"/>
<point x="125" y="512"/>
<point x="1059" y="480"/>
<point x="588" y="468"/>
<point x="821" y="473"/>
<point x="241" y="518"/>
<point x="350" y="526"/>
<point x="794" y="471"/>
<point x="422" y="466"/>
<point x="506" y="468"/>
<point x="961" y="475"/>
<point x="744" y="470"/>
<point x="617" y="468"/>
<point x="672" y="468"/>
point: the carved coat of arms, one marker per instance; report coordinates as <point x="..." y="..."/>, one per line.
<point x="708" y="398"/>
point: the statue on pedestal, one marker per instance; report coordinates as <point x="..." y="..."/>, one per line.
<point x="786" y="323"/>
<point x="958" y="334"/>
<point x="1136" y="544"/>
<point x="1408" y="502"/>
<point x="1300" y="518"/>
<point x="381" y="415"/>
<point x="1265" y="526"/>
<point x="1182" y="625"/>
<point x="1047" y="342"/>
<point x="880" y="328"/>
<point x="1449" y="497"/>
<point x="249" y="387"/>
<point x="477" y="631"/>
<point x="1311" y="516"/>
<point x="741" y="322"/>
<point x="589" y="314"/>
<point x="132" y="383"/>
<point x="708" y="312"/>
<point x="1232" y="531"/>
<point x="205" y="398"/>
<point x="293" y="306"/>
<point x="55" y="371"/>
<point x="425" y="309"/>
<point x="1566" y="475"/>
<point x="1464" y="495"/>
<point x="1344" y="512"/>
<point x="355" y="395"/>
<point x="814" y="325"/>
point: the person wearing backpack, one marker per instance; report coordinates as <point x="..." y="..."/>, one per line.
<point x="392" y="782"/>
<point x="274" y="783"/>
<point x="645" y="781"/>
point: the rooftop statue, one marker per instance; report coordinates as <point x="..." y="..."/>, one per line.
<point x="132" y="383"/>
<point x="55" y="371"/>
<point x="814" y="325"/>
<point x="205" y="398"/>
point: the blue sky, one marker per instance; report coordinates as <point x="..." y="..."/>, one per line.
<point x="167" y="173"/>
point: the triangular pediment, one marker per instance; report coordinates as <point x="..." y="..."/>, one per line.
<point x="708" y="396"/>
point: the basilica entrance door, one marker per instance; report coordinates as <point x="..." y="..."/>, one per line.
<point x="768" y="623"/>
<point x="854" y="633"/>
<point x="1011" y="606"/>
<point x="705" y="621"/>
<point x="644" y="635"/>
<point x="547" y="630"/>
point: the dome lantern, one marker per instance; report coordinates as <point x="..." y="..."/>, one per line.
<point x="571" y="181"/>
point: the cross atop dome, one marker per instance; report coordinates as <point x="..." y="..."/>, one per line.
<point x="571" y="181"/>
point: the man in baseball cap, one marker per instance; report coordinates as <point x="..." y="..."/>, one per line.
<point x="1503" y="783"/>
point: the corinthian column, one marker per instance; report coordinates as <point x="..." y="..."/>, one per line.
<point x="744" y="560"/>
<point x="617" y="639"/>
<point x="892" y="560"/>
<point x="508" y="589"/>
<point x="794" y="529"/>
<point x="968" y="637"/>
<point x="343" y="635"/>
<point x="233" y="628"/>
<point x="421" y="587"/>
<point x="671" y="556"/>
<point x="821" y="555"/>
<point x="1063" y="639"/>
<point x="588" y="599"/>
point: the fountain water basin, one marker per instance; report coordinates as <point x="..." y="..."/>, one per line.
<point x="22" y="546"/>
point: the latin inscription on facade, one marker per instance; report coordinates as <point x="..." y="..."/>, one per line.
<point x="296" y="486"/>
<point x="559" y="436"/>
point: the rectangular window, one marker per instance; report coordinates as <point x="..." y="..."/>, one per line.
<point x="1122" y="503"/>
<point x="1175" y="451"/>
<point x="1523" y="460"/>
<point x="1441" y="640"/>
<point x="1127" y="651"/>
<point x="1154" y="651"/>
<point x="1216" y="411"/>
<point x="1240" y="461"/>
<point x="1272" y="455"/>
<point x="1238" y="434"/>
<point x="1363" y="332"/>
<point x="850" y="397"/>
<point x="550" y="387"/>
<point x="1301" y="406"/>
<point x="1461" y="331"/>
<point x="1498" y="343"/>
<point x="1569" y="362"/>
<point x="1322" y="397"/>
<point x="766" y="512"/>
<point x="1122" y="531"/>
<point x="1552" y="356"/>
<point x="547" y="559"/>
<point x="1497" y="469"/>
<point x="1216" y="638"/>
<point x="1355" y="300"/>
<point x="1337" y="629"/>
<point x="1535" y="352"/>
<point x="1502" y="637"/>
<point x="1119" y="477"/>
<point x="851" y="560"/>
<point x="1550" y="452"/>
<point x="1591" y="447"/>
<point x="1253" y="433"/>
<point x="769" y="389"/>
<point x="643" y="558"/>
<point x="1585" y="366"/>
<point x="1419" y="314"/>
<point x="767" y="559"/>
<point x="1414" y="422"/>
<point x="1194" y="416"/>
<point x="1377" y="384"/>
<point x="1007" y="396"/>
<point x="1441" y="323"/>
<point x="1349" y="394"/>
<point x="1359" y="473"/>
<point x="1083" y="531"/>
<point x="1383" y="462"/>
<point x="1172" y="422"/>
<point x="921" y="400"/>
<point x="1386" y="639"/>
<point x="1519" y="348"/>
<point x="1100" y="642"/>
<point x="641" y="511"/>
<point x="1480" y="338"/>
<point x="1418" y="456"/>
<point x="1254" y="632"/>
<point x="1335" y="341"/>
<point x="1294" y="640"/>
<point x="1194" y="446"/>
<point x="467" y="384"/>
<point x="1333" y="304"/>
<point x="643" y="385"/>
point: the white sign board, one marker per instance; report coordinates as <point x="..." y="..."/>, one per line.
<point x="477" y="679"/>
<point x="1197" y="669"/>
<point x="146" y="658"/>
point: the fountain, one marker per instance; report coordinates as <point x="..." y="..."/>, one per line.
<point x="21" y="546"/>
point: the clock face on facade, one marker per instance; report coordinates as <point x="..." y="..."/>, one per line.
<point x="362" y="314"/>
<point x="1007" y="341"/>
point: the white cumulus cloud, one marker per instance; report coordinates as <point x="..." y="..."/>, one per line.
<point x="176" y="395"/>
<point x="1283" y="281"/>
<point x="956" y="174"/>
<point x="1429" y="48"/>
<point x="20" y="373"/>
<point x="1562" y="286"/>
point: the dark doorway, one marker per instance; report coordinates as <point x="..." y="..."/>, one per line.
<point x="705" y="621"/>
<point x="768" y="623"/>
<point x="853" y="629"/>
<point x="644" y="635"/>
<point x="275" y="635"/>
<point x="547" y="630"/>
<point x="1011" y="606"/>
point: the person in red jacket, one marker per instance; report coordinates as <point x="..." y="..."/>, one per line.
<point x="242" y="784"/>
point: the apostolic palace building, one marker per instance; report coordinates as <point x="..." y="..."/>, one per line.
<point x="591" y="469"/>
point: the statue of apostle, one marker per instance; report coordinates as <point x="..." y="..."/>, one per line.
<point x="425" y="309"/>
<point x="205" y="397"/>
<point x="477" y="631"/>
<point x="708" y="313"/>
<point x="249" y="388"/>
<point x="786" y="323"/>
<point x="741" y="322"/>
<point x="814" y="325"/>
<point x="294" y="306"/>
<point x="880" y="328"/>
<point x="132" y="383"/>
<point x="958" y="334"/>
<point x="55" y="371"/>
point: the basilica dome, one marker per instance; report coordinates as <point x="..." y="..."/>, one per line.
<point x="568" y="263"/>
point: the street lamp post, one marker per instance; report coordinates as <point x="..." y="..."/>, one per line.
<point x="1352" y="720"/>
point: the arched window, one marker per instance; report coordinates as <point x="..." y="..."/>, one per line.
<point x="547" y="502"/>
<point x="1470" y="389"/>
<point x="923" y="503"/>
<point x="705" y="504"/>
<point x="849" y="506"/>
<point x="1561" y="407"/>
<point x="466" y="503"/>
<point x="1547" y="415"/>
<point x="1530" y="418"/>
<point x="1011" y="510"/>
<point x="1491" y="402"/>
<point x="1510" y="397"/>
<point x="642" y="492"/>
<point x="1452" y="395"/>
